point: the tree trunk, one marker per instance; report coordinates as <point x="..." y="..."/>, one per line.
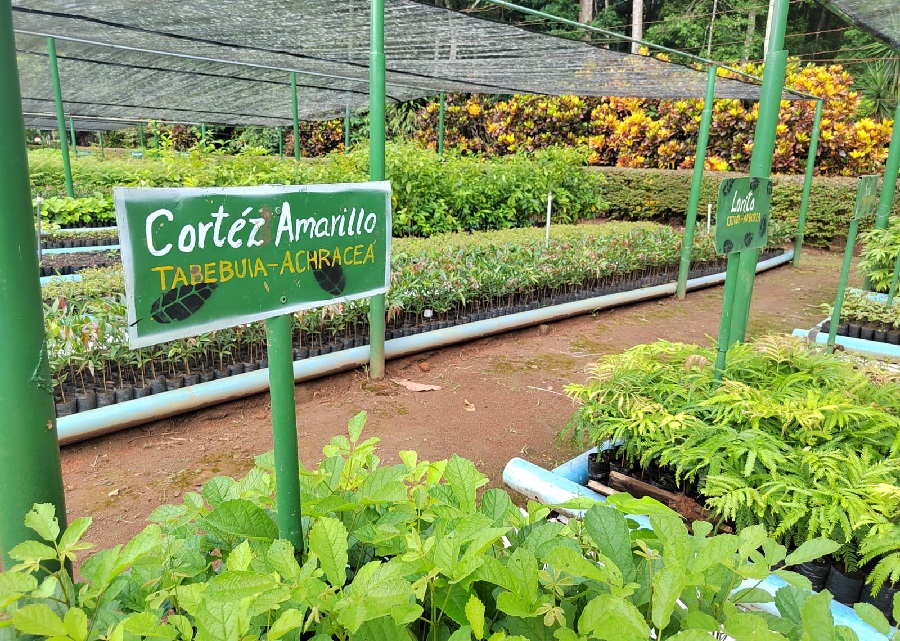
<point x="586" y="11"/>
<point x="748" y="39"/>
<point x="637" y="23"/>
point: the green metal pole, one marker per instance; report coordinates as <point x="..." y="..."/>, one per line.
<point x="687" y="242"/>
<point x="889" y="186"/>
<point x="156" y="137"/>
<point x="100" y="138"/>
<point x="203" y="136"/>
<point x="842" y="284"/>
<point x="347" y="129"/>
<point x="731" y="273"/>
<point x="280" y="143"/>
<point x="807" y="183"/>
<point x="441" y="125"/>
<point x="761" y="160"/>
<point x="894" y="280"/>
<point x="72" y="129"/>
<point x="30" y="469"/>
<point x="377" y="91"/>
<point x="60" y="117"/>
<point x="284" y="429"/>
<point x="296" y="115"/>
<point x="141" y="134"/>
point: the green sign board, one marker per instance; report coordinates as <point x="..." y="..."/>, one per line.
<point x="742" y="214"/>
<point x="197" y="260"/>
<point x="866" y="197"/>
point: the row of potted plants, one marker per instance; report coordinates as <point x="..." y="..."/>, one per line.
<point x="409" y="551"/>
<point x="865" y="316"/>
<point x="436" y="283"/>
<point x="804" y="443"/>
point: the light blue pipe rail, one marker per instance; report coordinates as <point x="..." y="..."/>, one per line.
<point x="552" y="488"/>
<point x="84" y="425"/>
<point x="81" y="250"/>
<point x="869" y="348"/>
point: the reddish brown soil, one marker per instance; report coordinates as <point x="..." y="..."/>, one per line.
<point x="501" y="397"/>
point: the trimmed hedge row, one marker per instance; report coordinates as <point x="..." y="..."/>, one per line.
<point x="662" y="195"/>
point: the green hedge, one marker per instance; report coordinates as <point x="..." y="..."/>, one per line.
<point x="662" y="195"/>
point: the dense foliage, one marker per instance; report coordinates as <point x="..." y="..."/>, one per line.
<point x="408" y="551"/>
<point x="881" y="250"/>
<point x="794" y="439"/>
<point x="430" y="195"/>
<point x="633" y="132"/>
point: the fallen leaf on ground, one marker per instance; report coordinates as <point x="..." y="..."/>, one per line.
<point x="469" y="406"/>
<point x="115" y="492"/>
<point x="412" y="386"/>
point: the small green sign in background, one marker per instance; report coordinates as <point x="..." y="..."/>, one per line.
<point x="866" y="197"/>
<point x="742" y="214"/>
<point x="198" y="260"/>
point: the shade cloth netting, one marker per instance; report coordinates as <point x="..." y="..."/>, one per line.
<point x="427" y="49"/>
<point x="880" y="17"/>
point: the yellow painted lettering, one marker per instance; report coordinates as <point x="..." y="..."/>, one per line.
<point x="180" y="277"/>
<point x="298" y="262"/>
<point x="370" y="253"/>
<point x="209" y="273"/>
<point x="324" y="257"/>
<point x="312" y="260"/>
<point x="162" y="275"/>
<point x="259" y="267"/>
<point x="357" y="250"/>
<point x="336" y="257"/>
<point x="287" y="263"/>
<point x="226" y="271"/>
<point x="348" y="261"/>
<point x="196" y="274"/>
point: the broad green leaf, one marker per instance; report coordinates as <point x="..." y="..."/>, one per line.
<point x="674" y="536"/>
<point x="183" y="625"/>
<point x="147" y="625"/>
<point x="495" y="504"/>
<point x="566" y="559"/>
<point x="288" y="620"/>
<point x="524" y="568"/>
<point x="464" y="480"/>
<point x="76" y="623"/>
<point x="744" y="626"/>
<point x="789" y="601"/>
<point x="281" y="556"/>
<point x="811" y="550"/>
<point x="718" y="550"/>
<point x="896" y="609"/>
<point x="515" y="606"/>
<point x="643" y="506"/>
<point x="32" y="551"/>
<point x="698" y="620"/>
<point x="613" y="619"/>
<point x="136" y="548"/>
<point x="42" y="519"/>
<point x="382" y="629"/>
<point x="241" y="518"/>
<point x="73" y="534"/>
<point x="219" y="620"/>
<point x="410" y="459"/>
<point x="610" y="533"/>
<point x="16" y="582"/>
<point x="692" y="635"/>
<point x="845" y="633"/>
<point x="475" y="615"/>
<point x="494" y="572"/>
<point x="383" y="485"/>
<point x="240" y="557"/>
<point x="667" y="586"/>
<point x="39" y="619"/>
<point x="356" y="425"/>
<point x="565" y="634"/>
<point x="792" y="578"/>
<point x="233" y="586"/>
<point x="217" y="490"/>
<point x="328" y="541"/>
<point x="463" y="634"/>
<point x="751" y="595"/>
<point x="818" y="624"/>
<point x="873" y="616"/>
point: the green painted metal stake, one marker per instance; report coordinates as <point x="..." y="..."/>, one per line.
<point x="377" y="97"/>
<point x="100" y="138"/>
<point x="842" y="284"/>
<point x="30" y="469"/>
<point x="807" y="183"/>
<point x="441" y="125"/>
<point x="141" y="134"/>
<point x="60" y="117"/>
<point x="296" y="112"/>
<point x="156" y="137"/>
<point x="889" y="185"/>
<point x="894" y="280"/>
<point x="761" y="161"/>
<point x="280" y="143"/>
<point x="687" y="242"/>
<point x="347" y="129"/>
<point x="284" y="430"/>
<point x="731" y="274"/>
<point x="203" y="136"/>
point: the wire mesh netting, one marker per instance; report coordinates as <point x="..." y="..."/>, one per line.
<point x="229" y="61"/>
<point x="881" y="17"/>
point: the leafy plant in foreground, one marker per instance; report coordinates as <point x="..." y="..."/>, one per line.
<point x="407" y="551"/>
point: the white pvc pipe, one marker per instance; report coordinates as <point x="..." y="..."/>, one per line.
<point x="84" y="425"/>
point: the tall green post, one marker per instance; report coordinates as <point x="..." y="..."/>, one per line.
<point x="60" y="117"/>
<point x="141" y="135"/>
<point x="296" y="112"/>
<point x="731" y="270"/>
<point x="30" y="469"/>
<point x="377" y="96"/>
<point x="761" y="160"/>
<point x="280" y="142"/>
<point x="687" y="242"/>
<point x="807" y="182"/>
<point x="842" y="284"/>
<point x="100" y="138"/>
<point x="441" y="108"/>
<point x="894" y="280"/>
<point x="156" y="137"/>
<point x="203" y="136"/>
<point x="72" y="129"/>
<point x="284" y="429"/>
<point x="889" y="186"/>
<point x="347" y="129"/>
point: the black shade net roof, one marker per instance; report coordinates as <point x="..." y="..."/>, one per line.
<point x="229" y="61"/>
<point x="879" y="17"/>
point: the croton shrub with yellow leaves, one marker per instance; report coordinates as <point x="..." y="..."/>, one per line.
<point x="661" y="134"/>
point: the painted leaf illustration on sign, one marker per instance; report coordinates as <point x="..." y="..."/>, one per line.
<point x="754" y="184"/>
<point x="763" y="225"/>
<point x="331" y="278"/>
<point x="769" y="186"/>
<point x="748" y="238"/>
<point x="727" y="186"/>
<point x="727" y="246"/>
<point x="179" y="303"/>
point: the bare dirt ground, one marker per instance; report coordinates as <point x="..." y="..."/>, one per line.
<point x="500" y="397"/>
